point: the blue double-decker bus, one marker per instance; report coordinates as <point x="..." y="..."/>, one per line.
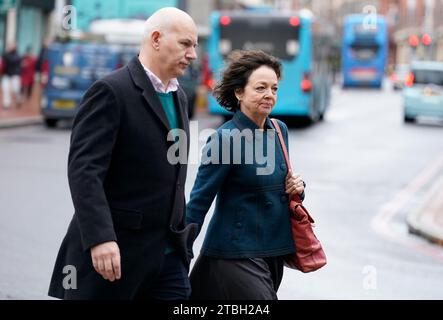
<point x="364" y="51"/>
<point x="298" y="40"/>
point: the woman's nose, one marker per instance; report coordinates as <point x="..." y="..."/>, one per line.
<point x="270" y="93"/>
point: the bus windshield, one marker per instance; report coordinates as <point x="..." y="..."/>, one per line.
<point x="275" y="36"/>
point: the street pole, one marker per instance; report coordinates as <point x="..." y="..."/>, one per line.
<point x="428" y="26"/>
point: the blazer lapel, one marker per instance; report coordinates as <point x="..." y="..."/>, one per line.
<point x="142" y="81"/>
<point x="184" y="125"/>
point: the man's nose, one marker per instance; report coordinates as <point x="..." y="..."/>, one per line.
<point x="191" y="53"/>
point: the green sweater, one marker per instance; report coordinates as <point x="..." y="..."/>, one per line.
<point x="168" y="104"/>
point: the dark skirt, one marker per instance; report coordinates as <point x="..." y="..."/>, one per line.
<point x="236" y="279"/>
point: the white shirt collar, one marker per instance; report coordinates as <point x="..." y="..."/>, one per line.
<point x="158" y="84"/>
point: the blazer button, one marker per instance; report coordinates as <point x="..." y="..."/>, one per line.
<point x="268" y="204"/>
<point x="283" y="167"/>
<point x="283" y="199"/>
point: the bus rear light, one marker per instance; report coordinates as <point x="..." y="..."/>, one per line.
<point x="306" y="84"/>
<point x="210" y="84"/>
<point x="409" y="80"/>
<point x="225" y="20"/>
<point x="294" y="21"/>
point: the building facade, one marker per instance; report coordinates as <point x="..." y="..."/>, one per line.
<point x="25" y="22"/>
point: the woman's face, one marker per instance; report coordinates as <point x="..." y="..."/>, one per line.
<point x="260" y="93"/>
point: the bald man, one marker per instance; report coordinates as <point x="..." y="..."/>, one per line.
<point x="127" y="238"/>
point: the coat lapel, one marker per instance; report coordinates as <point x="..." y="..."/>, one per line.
<point x="142" y="81"/>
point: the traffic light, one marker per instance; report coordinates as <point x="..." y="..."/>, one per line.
<point x="413" y="40"/>
<point x="426" y="39"/>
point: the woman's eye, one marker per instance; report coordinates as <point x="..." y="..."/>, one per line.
<point x="260" y="89"/>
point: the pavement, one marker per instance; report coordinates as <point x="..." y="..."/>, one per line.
<point x="427" y="219"/>
<point x="28" y="113"/>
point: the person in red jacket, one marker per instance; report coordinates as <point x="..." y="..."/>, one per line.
<point x="28" y="73"/>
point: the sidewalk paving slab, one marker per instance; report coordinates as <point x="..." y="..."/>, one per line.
<point x="427" y="219"/>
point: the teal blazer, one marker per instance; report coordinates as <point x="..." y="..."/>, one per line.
<point x="251" y="216"/>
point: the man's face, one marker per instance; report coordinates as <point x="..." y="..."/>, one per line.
<point x="178" y="49"/>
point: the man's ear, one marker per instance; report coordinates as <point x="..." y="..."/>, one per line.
<point x="155" y="40"/>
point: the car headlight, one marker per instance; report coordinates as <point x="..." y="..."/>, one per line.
<point x="60" y="83"/>
<point x="44" y="102"/>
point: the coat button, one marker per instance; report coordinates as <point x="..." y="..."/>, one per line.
<point x="238" y="224"/>
<point x="268" y="204"/>
<point x="283" y="167"/>
<point x="283" y="199"/>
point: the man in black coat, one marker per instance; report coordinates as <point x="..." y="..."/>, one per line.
<point x="127" y="238"/>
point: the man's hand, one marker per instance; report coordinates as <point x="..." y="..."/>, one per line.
<point x="106" y="260"/>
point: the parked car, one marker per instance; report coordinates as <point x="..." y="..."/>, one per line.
<point x="74" y="66"/>
<point x="423" y="92"/>
<point x="399" y="76"/>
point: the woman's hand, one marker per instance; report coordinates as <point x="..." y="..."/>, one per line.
<point x="294" y="184"/>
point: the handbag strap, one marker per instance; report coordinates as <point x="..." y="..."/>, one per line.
<point x="282" y="143"/>
<point x="296" y="198"/>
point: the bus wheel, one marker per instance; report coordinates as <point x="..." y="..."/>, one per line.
<point x="50" y="123"/>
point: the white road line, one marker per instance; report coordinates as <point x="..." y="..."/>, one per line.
<point x="381" y="221"/>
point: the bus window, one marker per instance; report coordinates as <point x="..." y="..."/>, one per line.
<point x="364" y="51"/>
<point x="271" y="35"/>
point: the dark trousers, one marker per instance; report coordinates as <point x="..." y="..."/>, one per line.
<point x="171" y="284"/>
<point x="236" y="279"/>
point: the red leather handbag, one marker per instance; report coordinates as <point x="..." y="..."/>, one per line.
<point x="309" y="255"/>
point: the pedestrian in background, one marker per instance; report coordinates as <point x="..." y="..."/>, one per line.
<point x="28" y="73"/>
<point x="127" y="238"/>
<point x="249" y="232"/>
<point x="42" y="66"/>
<point x="11" y="83"/>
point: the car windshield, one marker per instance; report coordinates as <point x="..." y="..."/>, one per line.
<point x="428" y="77"/>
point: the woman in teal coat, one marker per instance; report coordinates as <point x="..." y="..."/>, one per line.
<point x="243" y="165"/>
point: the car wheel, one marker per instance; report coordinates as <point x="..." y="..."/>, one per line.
<point x="51" y="123"/>
<point x="409" y="119"/>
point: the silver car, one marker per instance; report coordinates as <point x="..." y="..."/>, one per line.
<point x="423" y="93"/>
